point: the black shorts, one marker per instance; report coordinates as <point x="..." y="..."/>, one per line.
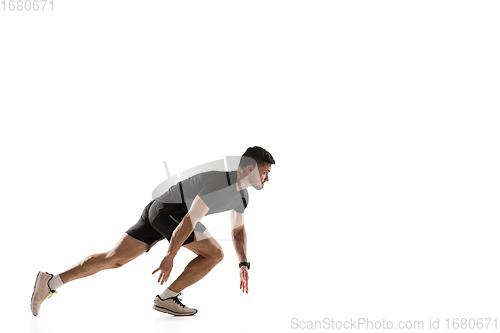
<point x="158" y="221"/>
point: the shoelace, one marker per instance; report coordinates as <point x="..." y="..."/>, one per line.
<point x="178" y="301"/>
<point x="49" y="295"/>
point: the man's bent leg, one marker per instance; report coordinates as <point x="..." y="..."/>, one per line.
<point x="127" y="249"/>
<point x="209" y="255"/>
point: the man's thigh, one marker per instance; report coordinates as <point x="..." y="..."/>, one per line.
<point x="205" y="245"/>
<point x="127" y="249"/>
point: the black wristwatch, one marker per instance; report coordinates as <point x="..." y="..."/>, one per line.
<point x="245" y="263"/>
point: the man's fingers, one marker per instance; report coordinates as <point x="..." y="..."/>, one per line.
<point x="244" y="281"/>
<point x="244" y="285"/>
<point x="156" y="270"/>
<point x="163" y="277"/>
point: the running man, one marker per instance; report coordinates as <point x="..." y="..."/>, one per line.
<point x="168" y="217"/>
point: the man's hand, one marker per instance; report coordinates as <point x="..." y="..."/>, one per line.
<point x="165" y="267"/>
<point x="244" y="279"/>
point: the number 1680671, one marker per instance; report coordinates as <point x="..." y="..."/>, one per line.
<point x="27" y="5"/>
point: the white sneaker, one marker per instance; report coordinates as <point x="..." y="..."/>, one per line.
<point x="173" y="306"/>
<point x="41" y="292"/>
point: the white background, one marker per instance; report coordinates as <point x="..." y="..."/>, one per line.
<point x="382" y="117"/>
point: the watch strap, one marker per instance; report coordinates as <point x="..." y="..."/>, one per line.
<point x="245" y="263"/>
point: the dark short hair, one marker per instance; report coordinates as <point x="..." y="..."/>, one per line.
<point x="255" y="155"/>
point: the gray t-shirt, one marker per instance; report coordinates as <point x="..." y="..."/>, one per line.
<point x="217" y="189"/>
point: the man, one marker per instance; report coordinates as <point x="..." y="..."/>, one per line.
<point x="168" y="217"/>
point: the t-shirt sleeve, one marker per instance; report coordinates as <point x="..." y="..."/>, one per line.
<point x="244" y="200"/>
<point x="212" y="191"/>
<point x="247" y="198"/>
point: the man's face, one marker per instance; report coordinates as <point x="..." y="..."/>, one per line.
<point x="259" y="176"/>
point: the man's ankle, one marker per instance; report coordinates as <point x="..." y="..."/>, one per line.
<point x="168" y="294"/>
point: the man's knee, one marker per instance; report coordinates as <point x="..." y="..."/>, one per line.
<point x="207" y="248"/>
<point x="113" y="261"/>
<point x="217" y="254"/>
<point x="127" y="249"/>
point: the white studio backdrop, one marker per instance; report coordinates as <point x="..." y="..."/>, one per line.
<point x="382" y="118"/>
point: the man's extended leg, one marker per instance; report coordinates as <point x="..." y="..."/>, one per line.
<point x="127" y="249"/>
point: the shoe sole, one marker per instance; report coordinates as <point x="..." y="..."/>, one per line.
<point x="173" y="313"/>
<point x="37" y="284"/>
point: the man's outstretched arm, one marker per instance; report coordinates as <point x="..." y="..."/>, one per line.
<point x="239" y="236"/>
